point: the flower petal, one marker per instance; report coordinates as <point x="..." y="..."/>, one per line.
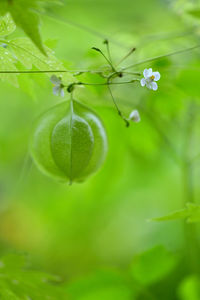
<point x="142" y="82"/>
<point x="148" y="73"/>
<point x="62" y="92"/>
<point x="154" y="86"/>
<point x="55" y="80"/>
<point x="145" y="73"/>
<point x="149" y="85"/>
<point x="56" y="90"/>
<point x="156" y="75"/>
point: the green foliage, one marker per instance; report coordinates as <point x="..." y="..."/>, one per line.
<point x="107" y="285"/>
<point x="69" y="142"/>
<point x="21" y="52"/>
<point x="190" y="11"/>
<point x="191" y="213"/>
<point x="29" y="56"/>
<point x="76" y="230"/>
<point x="7" y="26"/>
<point x="190" y="288"/>
<point x="7" y="63"/>
<point x="24" y="14"/>
<point x="17" y="282"/>
<point x="152" y="266"/>
<point x="194" y="12"/>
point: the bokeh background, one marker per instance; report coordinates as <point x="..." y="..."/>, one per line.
<point x="103" y="223"/>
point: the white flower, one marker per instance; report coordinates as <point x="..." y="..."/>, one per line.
<point x="58" y="87"/>
<point x="149" y="79"/>
<point x="134" y="116"/>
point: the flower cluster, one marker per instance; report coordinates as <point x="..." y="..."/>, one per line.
<point x="150" y="81"/>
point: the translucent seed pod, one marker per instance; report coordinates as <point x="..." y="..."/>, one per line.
<point x="69" y="142"/>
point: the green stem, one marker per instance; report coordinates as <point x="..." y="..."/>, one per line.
<point x="33" y="72"/>
<point x="106" y="42"/>
<point x="191" y="234"/>
<point x="64" y="71"/>
<point x="106" y="83"/>
<point x="113" y="99"/>
<point x="161" y="56"/>
<point x="108" y="61"/>
<point x="126" y="56"/>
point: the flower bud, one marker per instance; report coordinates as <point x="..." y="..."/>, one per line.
<point x="135" y="116"/>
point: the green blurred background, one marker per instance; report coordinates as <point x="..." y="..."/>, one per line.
<point x="103" y="223"/>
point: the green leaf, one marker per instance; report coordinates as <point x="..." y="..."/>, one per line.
<point x="7" y="26"/>
<point x="18" y="282"/>
<point x="51" y="43"/>
<point x="25" y="15"/>
<point x="191" y="213"/>
<point x="29" y="21"/>
<point x="27" y="85"/>
<point x="12" y="262"/>
<point x="190" y="288"/>
<point x="194" y="13"/>
<point x="29" y="56"/>
<point x="152" y="266"/>
<point x="7" y="63"/>
<point x="6" y="294"/>
<point x="107" y="285"/>
<point x="20" y="53"/>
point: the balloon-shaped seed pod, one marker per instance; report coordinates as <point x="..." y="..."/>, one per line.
<point x="69" y="142"/>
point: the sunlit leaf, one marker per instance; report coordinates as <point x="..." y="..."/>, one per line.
<point x="29" y="22"/>
<point x="191" y="213"/>
<point x="7" y="26"/>
<point x="24" y="51"/>
<point x="18" y="282"/>
<point x="28" y="54"/>
<point x="25" y="15"/>
<point x="7" y="63"/>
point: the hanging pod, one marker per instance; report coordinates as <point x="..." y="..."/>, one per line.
<point x="69" y="142"/>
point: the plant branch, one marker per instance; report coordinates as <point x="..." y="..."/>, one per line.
<point x="33" y="72"/>
<point x="160" y="57"/>
<point x="126" y="56"/>
<point x="113" y="99"/>
<point x="106" y="83"/>
<point x="106" y="42"/>
<point x="109" y="62"/>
